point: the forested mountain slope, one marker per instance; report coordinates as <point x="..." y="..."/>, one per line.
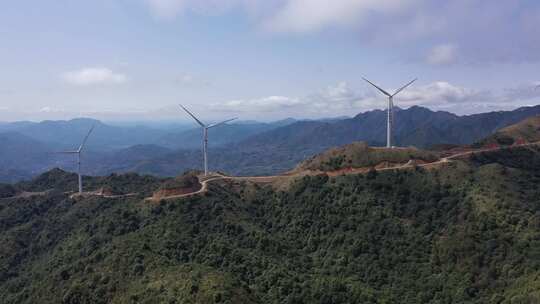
<point x="465" y="233"/>
<point x="415" y="126"/>
<point x="525" y="131"/>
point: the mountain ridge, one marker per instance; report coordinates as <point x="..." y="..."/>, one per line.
<point x="281" y="148"/>
<point x="465" y="234"/>
<point x="527" y="130"/>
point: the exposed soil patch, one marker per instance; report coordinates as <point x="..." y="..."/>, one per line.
<point x="163" y="193"/>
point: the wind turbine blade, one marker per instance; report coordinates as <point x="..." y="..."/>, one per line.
<point x="220" y="123"/>
<point x="198" y="121"/>
<point x="85" y="139"/>
<point x="66" y="152"/>
<point x="403" y="87"/>
<point x="383" y="91"/>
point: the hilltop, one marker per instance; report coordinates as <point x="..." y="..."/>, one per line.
<point x="57" y="180"/>
<point x="360" y="155"/>
<point x="525" y="131"/>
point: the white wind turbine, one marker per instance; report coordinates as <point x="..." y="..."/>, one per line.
<point x="205" y="136"/>
<point x="390" y="114"/>
<point x="78" y="152"/>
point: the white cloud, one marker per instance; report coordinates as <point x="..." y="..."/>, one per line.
<point x="341" y="99"/>
<point x="446" y="96"/>
<point x="186" y="78"/>
<point x="93" y="76"/>
<point x="286" y="15"/>
<point x="476" y="26"/>
<point x="340" y="93"/>
<point x="48" y="109"/>
<point x="169" y="9"/>
<point x="311" y="15"/>
<point x="440" y="94"/>
<point x="270" y="103"/>
<point x="522" y="92"/>
<point x="442" y="54"/>
<point x="166" y="9"/>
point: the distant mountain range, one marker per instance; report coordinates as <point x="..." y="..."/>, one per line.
<point x="464" y="232"/>
<point x="242" y="149"/>
<point x="282" y="148"/>
<point x="416" y="126"/>
<point x="225" y="134"/>
<point x="68" y="134"/>
<point x="22" y="157"/>
<point x="28" y="148"/>
<point x="106" y="138"/>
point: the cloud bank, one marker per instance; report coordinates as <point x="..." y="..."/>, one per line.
<point x="482" y="31"/>
<point x="443" y="54"/>
<point x="93" y="76"/>
<point x="335" y="100"/>
<point x="341" y="99"/>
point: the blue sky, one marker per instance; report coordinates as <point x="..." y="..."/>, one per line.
<point x="261" y="59"/>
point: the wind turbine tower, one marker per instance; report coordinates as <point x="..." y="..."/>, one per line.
<point x="78" y="152"/>
<point x="205" y="128"/>
<point x="390" y="113"/>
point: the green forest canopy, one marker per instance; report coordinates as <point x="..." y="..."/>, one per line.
<point x="467" y="234"/>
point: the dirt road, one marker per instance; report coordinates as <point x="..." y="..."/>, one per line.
<point x="269" y="179"/>
<point x="408" y="165"/>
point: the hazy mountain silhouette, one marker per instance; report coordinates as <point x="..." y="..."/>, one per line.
<point x="68" y="134"/>
<point x="225" y="134"/>
<point x="249" y="148"/>
<point x="416" y="126"/>
<point x="282" y="148"/>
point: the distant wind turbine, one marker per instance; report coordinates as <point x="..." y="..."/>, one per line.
<point x="390" y="114"/>
<point x="78" y="152"/>
<point x="205" y="135"/>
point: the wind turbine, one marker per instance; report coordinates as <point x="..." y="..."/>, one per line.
<point x="205" y="136"/>
<point x="390" y="114"/>
<point x="78" y="152"/>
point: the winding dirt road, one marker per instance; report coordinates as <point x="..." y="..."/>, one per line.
<point x="268" y="179"/>
<point x="204" y="188"/>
